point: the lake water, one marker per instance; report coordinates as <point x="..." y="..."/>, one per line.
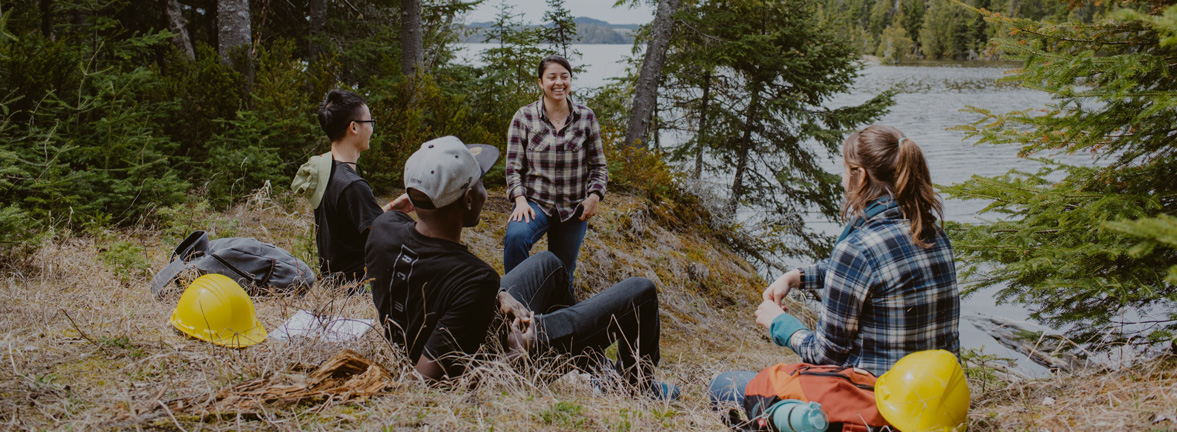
<point x="932" y="96"/>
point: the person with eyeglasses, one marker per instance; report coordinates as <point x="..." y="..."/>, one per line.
<point x="347" y="207"/>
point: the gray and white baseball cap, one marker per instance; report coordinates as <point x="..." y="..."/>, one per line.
<point x="441" y="171"/>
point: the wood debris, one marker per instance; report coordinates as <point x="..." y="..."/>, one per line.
<point x="345" y="377"/>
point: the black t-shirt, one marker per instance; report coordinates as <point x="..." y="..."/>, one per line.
<point x="433" y="296"/>
<point x="344" y="217"/>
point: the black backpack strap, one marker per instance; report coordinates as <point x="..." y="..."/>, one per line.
<point x="167" y="275"/>
<point x="194" y="245"/>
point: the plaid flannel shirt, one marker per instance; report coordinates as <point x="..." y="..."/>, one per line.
<point x="883" y="298"/>
<point x="555" y="169"/>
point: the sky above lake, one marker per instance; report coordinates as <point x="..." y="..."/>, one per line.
<point x="533" y="11"/>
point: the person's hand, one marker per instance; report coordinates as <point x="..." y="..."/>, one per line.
<point x="767" y="312"/>
<point x="520" y="337"/>
<point x="780" y="288"/>
<point x="590" y="206"/>
<point x="523" y="211"/>
<point x="511" y="308"/>
<point x="401" y="204"/>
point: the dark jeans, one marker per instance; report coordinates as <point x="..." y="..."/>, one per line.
<point x="626" y="313"/>
<point x="564" y="239"/>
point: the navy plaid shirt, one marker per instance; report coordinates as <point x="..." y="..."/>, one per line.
<point x="556" y="169"/>
<point x="883" y="298"/>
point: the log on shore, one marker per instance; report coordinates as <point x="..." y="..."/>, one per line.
<point x="1038" y="343"/>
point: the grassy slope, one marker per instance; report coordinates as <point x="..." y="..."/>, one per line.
<point x="86" y="346"/>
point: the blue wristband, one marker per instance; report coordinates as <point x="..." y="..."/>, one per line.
<point x="783" y="327"/>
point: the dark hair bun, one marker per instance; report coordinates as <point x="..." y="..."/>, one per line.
<point x="337" y="110"/>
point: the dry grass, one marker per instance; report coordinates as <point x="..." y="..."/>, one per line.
<point x="87" y="347"/>
<point x="1142" y="397"/>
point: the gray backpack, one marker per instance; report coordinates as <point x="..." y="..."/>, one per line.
<point x="260" y="268"/>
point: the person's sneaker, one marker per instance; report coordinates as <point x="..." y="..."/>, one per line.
<point x="606" y="380"/>
<point x="664" y="391"/>
<point x="610" y="382"/>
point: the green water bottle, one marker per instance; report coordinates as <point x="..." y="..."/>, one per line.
<point x="792" y="415"/>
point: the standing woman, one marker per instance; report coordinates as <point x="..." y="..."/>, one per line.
<point x="888" y="288"/>
<point x="556" y="171"/>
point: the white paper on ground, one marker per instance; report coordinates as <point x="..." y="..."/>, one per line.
<point x="325" y="328"/>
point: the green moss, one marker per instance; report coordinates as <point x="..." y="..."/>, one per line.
<point x="563" y="413"/>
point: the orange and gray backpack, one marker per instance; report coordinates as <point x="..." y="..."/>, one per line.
<point x="846" y="395"/>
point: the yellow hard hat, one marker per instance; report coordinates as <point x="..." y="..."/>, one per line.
<point x="925" y="391"/>
<point x="215" y="309"/>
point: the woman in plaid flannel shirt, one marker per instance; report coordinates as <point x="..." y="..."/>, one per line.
<point x="556" y="171"/>
<point x="888" y="288"/>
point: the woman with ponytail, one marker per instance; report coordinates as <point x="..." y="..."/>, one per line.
<point x="888" y="288"/>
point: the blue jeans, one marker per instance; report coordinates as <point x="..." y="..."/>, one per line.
<point x="728" y="387"/>
<point x="564" y="239"/>
<point x="626" y="313"/>
<point x="726" y="392"/>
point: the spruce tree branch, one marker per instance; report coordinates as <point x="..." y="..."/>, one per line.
<point x="1146" y="322"/>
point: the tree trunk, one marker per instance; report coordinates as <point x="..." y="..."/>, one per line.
<point x="176" y="24"/>
<point x="318" y="12"/>
<point x="646" y="94"/>
<point x="701" y="135"/>
<point x="654" y="123"/>
<point x="233" y="27"/>
<point x="745" y="147"/>
<point x="46" y="7"/>
<point x="412" y="46"/>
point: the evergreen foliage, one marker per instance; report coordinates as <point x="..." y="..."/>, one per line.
<point x="82" y="139"/>
<point x="894" y="45"/>
<point x="1063" y="243"/>
<point x="768" y="69"/>
<point x="103" y="121"/>
<point x="942" y="29"/>
<point x="560" y="31"/>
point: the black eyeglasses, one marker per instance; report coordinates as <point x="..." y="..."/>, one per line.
<point x="372" y="121"/>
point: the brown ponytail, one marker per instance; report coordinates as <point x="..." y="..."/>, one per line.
<point x="894" y="166"/>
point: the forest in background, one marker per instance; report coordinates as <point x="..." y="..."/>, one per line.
<point x="941" y="29"/>
<point x="120" y="113"/>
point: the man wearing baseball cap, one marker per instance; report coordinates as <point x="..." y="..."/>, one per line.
<point x="436" y="300"/>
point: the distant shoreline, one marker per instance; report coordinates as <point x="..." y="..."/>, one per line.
<point x="588" y="31"/>
<point x="876" y="61"/>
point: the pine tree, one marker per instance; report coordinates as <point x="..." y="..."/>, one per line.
<point x="777" y="64"/>
<point x="1064" y="244"/>
<point x="514" y="60"/>
<point x="560" y="32"/>
<point x="692" y="81"/>
<point x="508" y="77"/>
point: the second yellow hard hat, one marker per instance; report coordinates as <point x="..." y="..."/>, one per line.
<point x="925" y="391"/>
